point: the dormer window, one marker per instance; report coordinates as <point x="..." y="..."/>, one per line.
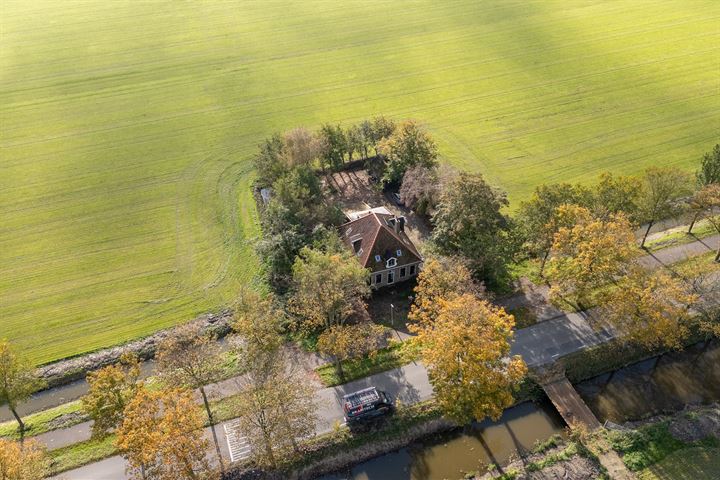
<point x="399" y="253"/>
<point x="378" y="258"/>
<point x="391" y="263"/>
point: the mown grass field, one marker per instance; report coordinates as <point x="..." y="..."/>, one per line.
<point x="127" y="127"/>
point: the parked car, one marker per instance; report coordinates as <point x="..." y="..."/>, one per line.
<point x="365" y="405"/>
<point x="396" y="198"/>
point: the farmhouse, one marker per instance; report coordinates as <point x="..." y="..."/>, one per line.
<point x="378" y="239"/>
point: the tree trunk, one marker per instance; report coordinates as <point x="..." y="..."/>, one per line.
<point x="269" y="450"/>
<point x="647" y="232"/>
<point x="717" y="256"/>
<point x="340" y="372"/>
<point x="692" y="224"/>
<point x="212" y="428"/>
<point x="21" y="424"/>
<point x="543" y="262"/>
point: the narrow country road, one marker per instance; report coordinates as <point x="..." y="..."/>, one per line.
<point x="538" y="344"/>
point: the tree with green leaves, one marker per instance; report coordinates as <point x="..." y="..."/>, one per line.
<point x="188" y="358"/>
<point x="347" y="342"/>
<point x="110" y="389"/>
<point x="333" y="145"/>
<point x="17" y="380"/>
<point x="617" y="194"/>
<point x="355" y="141"/>
<point x="709" y="171"/>
<point x="469" y="222"/>
<point x="328" y="287"/>
<point x="663" y="188"/>
<point x="368" y="136"/>
<point x="537" y="218"/>
<point x="270" y="160"/>
<point x="380" y="128"/>
<point x="706" y="202"/>
<point x="409" y="146"/>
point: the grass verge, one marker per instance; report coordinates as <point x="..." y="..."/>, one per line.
<point x="394" y="356"/>
<point x="651" y="444"/>
<point x="45" y="421"/>
<point x="697" y="463"/>
<point x="679" y="236"/>
<point x="82" y="453"/>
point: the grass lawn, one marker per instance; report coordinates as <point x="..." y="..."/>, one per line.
<point x="128" y="127"/>
<point x="699" y="463"/>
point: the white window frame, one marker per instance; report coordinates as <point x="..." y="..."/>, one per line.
<point x="392" y="262"/>
<point x="378" y="275"/>
<point x="402" y="272"/>
<point x="391" y="277"/>
<point x="413" y="270"/>
<point x="399" y="253"/>
<point x="378" y="258"/>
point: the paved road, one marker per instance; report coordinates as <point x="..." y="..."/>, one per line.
<point x="539" y="344"/>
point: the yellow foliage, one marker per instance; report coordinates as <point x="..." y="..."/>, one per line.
<point x="161" y="436"/>
<point x="22" y="461"/>
<point x="588" y="254"/>
<point x="466" y="348"/>
<point x="651" y="308"/>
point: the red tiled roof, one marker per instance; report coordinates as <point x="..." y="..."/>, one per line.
<point x="377" y="238"/>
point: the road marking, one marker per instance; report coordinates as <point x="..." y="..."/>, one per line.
<point x="238" y="445"/>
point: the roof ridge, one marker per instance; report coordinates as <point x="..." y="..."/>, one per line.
<point x="410" y="244"/>
<point x="372" y="244"/>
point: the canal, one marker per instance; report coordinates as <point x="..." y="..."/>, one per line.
<point x="658" y="385"/>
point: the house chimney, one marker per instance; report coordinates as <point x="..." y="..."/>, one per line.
<point x="400" y="224"/>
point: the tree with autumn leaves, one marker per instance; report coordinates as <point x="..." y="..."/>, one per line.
<point x="110" y="389"/>
<point x="587" y="254"/>
<point x="190" y="358"/>
<point x="161" y="437"/>
<point x="17" y="380"/>
<point x="465" y="343"/>
<point x="650" y="308"/>
<point x="275" y="404"/>
<point x="25" y="460"/>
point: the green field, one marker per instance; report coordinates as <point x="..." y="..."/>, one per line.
<point x="127" y="127"/>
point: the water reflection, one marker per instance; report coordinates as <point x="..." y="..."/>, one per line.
<point x="452" y="455"/>
<point x="661" y="384"/>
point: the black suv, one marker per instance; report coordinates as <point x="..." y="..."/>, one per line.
<point x="366" y="404"/>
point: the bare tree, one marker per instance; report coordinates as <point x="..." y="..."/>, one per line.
<point x="301" y="146"/>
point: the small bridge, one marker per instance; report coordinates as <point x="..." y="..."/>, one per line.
<point x="575" y="412"/>
<point x="569" y="404"/>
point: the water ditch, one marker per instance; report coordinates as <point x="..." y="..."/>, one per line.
<point x="661" y="384"/>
